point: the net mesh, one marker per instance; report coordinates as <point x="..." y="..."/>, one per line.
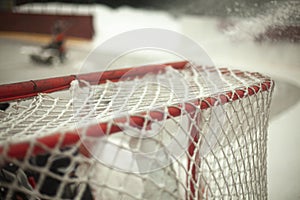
<point x="196" y="133"/>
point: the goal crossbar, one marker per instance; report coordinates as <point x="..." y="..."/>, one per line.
<point x="32" y="88"/>
<point x="225" y="126"/>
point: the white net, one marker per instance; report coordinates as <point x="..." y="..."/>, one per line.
<point x="196" y="133"/>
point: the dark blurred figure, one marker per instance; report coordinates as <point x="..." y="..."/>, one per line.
<point x="4" y="106"/>
<point x="58" y="40"/>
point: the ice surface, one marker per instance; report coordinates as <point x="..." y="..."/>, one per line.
<point x="280" y="60"/>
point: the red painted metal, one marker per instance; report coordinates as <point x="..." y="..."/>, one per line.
<point x="32" y="88"/>
<point x="9" y="92"/>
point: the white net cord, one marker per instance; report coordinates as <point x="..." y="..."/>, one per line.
<point x="192" y="134"/>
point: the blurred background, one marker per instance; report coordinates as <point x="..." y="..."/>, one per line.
<point x="255" y="35"/>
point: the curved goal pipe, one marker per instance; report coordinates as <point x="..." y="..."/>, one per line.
<point x="22" y="90"/>
<point x="14" y="91"/>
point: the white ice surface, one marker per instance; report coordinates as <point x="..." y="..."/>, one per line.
<point x="280" y="60"/>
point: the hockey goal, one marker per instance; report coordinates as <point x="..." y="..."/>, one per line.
<point x="170" y="131"/>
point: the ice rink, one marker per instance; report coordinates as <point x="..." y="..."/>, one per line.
<point x="280" y="60"/>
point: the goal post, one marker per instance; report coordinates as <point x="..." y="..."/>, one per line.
<point x="168" y="131"/>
